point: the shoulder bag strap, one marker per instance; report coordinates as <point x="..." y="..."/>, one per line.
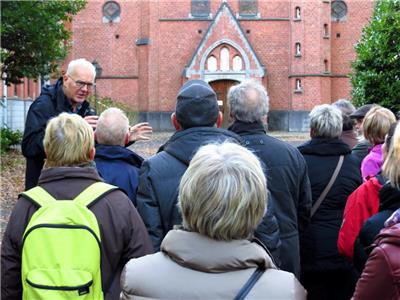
<point x="328" y="186"/>
<point x="249" y="283"/>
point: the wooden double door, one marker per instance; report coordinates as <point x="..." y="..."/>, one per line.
<point x="221" y="88"/>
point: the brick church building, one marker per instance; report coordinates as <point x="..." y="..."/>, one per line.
<point x="301" y="51"/>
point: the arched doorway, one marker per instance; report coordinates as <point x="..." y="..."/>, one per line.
<point x="221" y="88"/>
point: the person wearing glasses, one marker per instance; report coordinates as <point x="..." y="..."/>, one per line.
<point x="68" y="94"/>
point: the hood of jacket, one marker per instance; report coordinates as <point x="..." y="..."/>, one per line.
<point x="324" y="147"/>
<point x="59" y="173"/>
<point x="195" y="251"/>
<point x="183" y="144"/>
<point x="389" y="198"/>
<point x="110" y="152"/>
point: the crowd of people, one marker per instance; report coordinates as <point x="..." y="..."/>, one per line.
<point x="215" y="214"/>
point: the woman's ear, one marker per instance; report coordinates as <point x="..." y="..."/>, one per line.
<point x="92" y="153"/>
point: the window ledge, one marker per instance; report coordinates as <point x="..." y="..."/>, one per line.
<point x="298" y="91"/>
<point x="297" y="55"/>
<point x="327" y="37"/>
<point x="296" y="19"/>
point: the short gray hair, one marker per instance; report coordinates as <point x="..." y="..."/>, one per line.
<point x="80" y="62"/>
<point x="112" y="127"/>
<point x="326" y="121"/>
<point x="223" y="192"/>
<point x="345" y="106"/>
<point x="248" y="101"/>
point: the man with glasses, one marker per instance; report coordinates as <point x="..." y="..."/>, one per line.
<point x="68" y="94"/>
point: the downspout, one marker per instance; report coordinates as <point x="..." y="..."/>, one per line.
<point x="4" y="101"/>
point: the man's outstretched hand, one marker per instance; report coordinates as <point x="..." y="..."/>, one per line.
<point x="140" y="132"/>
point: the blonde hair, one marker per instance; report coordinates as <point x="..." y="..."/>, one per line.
<point x="391" y="166"/>
<point x="376" y="124"/>
<point x="112" y="127"/>
<point x="223" y="192"/>
<point x="68" y="141"/>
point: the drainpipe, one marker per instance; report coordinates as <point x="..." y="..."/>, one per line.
<point x="4" y="101"/>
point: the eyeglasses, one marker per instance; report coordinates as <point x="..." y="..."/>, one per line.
<point x="81" y="84"/>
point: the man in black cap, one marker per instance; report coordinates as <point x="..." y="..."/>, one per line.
<point x="197" y="120"/>
<point x="361" y="149"/>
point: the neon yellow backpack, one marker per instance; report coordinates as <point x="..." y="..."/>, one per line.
<point x="61" y="248"/>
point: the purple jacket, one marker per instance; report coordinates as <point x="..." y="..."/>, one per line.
<point x="372" y="163"/>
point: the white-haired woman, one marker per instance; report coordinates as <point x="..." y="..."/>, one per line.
<point x="325" y="274"/>
<point x="222" y="199"/>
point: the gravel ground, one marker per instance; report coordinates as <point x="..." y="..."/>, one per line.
<point x="13" y="168"/>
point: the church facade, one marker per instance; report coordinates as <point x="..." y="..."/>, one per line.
<point x="300" y="50"/>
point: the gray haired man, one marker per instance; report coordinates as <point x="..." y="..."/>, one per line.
<point x="286" y="169"/>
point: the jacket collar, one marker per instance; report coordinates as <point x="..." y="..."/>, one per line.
<point x="195" y="251"/>
<point x="59" y="173"/>
<point x="183" y="144"/>
<point x="110" y="152"/>
<point x="324" y="147"/>
<point x="243" y="128"/>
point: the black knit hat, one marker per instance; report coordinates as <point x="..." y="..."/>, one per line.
<point x="196" y="105"/>
<point x="362" y="111"/>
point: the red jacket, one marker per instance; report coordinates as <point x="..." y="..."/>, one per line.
<point x="361" y="204"/>
<point x="381" y="276"/>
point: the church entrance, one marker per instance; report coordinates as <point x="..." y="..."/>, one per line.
<point x="221" y="88"/>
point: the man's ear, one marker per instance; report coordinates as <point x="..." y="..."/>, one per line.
<point x="220" y="119"/>
<point x="92" y="153"/>
<point x="127" y="138"/>
<point x="312" y="132"/>
<point x="175" y="122"/>
<point x="65" y="77"/>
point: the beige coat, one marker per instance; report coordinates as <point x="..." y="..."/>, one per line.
<point x="192" y="266"/>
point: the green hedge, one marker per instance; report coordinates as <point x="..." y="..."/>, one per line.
<point x="9" y="138"/>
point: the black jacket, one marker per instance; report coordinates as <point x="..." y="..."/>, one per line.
<point x="49" y="104"/>
<point x="319" y="241"/>
<point x="288" y="184"/>
<point x="119" y="166"/>
<point x="159" y="183"/>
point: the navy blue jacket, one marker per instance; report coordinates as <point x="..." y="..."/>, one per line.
<point x="119" y="166"/>
<point x="288" y="184"/>
<point x="49" y="104"/>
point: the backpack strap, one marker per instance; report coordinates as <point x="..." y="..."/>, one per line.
<point x="38" y="196"/>
<point x="93" y="193"/>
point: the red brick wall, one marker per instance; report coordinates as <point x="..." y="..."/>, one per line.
<point x="159" y="65"/>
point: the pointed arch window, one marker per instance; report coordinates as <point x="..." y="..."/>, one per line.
<point x="297" y="49"/>
<point x="212" y="64"/>
<point x="237" y="63"/>
<point x="224" y="59"/>
<point x="298" y="86"/>
<point x="297" y="13"/>
<point x="326" y="31"/>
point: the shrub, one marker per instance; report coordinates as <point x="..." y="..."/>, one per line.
<point x="9" y="138"/>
